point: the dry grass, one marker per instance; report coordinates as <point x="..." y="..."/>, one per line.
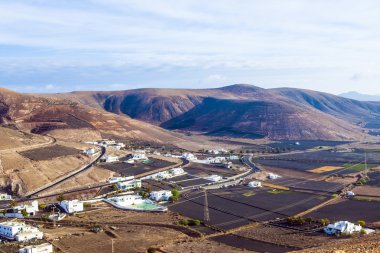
<point x="325" y="169"/>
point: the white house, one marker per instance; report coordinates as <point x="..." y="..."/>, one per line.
<point x="350" y="194"/>
<point x="5" y="196"/>
<point x="42" y="248"/>
<point x="72" y="206"/>
<point x="177" y="172"/>
<point x="342" y="227"/>
<point x="30" y="209"/>
<point x="160" y="195"/>
<point x="128" y="185"/>
<point x="214" y="178"/>
<point x="233" y="157"/>
<point x="110" y="159"/>
<point x="273" y="176"/>
<point x="90" y="151"/>
<point x="19" y="231"/>
<point x="188" y="156"/>
<point x="139" y="156"/>
<point x="254" y="184"/>
<point x="113" y="180"/>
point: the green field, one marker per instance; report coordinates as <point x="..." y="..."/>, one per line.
<point x="359" y="167"/>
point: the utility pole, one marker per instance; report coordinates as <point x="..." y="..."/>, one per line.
<point x="112" y="246"/>
<point x="206" y="214"/>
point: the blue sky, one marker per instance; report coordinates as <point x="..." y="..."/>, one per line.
<point x="65" y="45"/>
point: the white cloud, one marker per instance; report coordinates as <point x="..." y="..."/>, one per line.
<point x="287" y="42"/>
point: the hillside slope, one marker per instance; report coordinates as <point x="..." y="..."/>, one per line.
<point x="70" y="120"/>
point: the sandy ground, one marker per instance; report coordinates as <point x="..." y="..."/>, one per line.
<point x="199" y="246"/>
<point x="25" y="175"/>
<point x="10" y="139"/>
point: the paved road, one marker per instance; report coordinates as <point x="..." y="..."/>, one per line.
<point x="247" y="161"/>
<point x="87" y="167"/>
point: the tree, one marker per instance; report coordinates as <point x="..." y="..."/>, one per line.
<point x="176" y="193"/>
<point x="362" y="223"/>
<point x="324" y="222"/>
<point x="61" y="198"/>
<point x="24" y="213"/>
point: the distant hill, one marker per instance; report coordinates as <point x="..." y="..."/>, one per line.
<point x="359" y="96"/>
<point x="240" y="111"/>
<point x="70" y="120"/>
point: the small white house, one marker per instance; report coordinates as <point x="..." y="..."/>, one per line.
<point x="188" y="156"/>
<point x="350" y="194"/>
<point x="110" y="159"/>
<point x="177" y="172"/>
<point x="128" y="185"/>
<point x="342" y="227"/>
<point x="19" y="231"/>
<point x="214" y="178"/>
<point x="5" y="196"/>
<point x="233" y="157"/>
<point x="160" y="195"/>
<point x="255" y="184"/>
<point x="72" y="206"/>
<point x="90" y="151"/>
<point x="273" y="176"/>
<point x="42" y="248"/>
<point x="139" y="156"/>
<point x="114" y="180"/>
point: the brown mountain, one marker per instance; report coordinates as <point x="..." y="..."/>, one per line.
<point x="70" y="120"/>
<point x="240" y="111"/>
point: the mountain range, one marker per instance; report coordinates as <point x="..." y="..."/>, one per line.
<point x="359" y="96"/>
<point x="238" y="110"/>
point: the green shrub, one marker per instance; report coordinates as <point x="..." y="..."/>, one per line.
<point x="362" y="223"/>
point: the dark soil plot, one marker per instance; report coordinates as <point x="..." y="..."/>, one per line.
<point x="126" y="169"/>
<point x="293" y="165"/>
<point x="195" y="209"/>
<point x="374" y="178"/>
<point x="229" y="209"/>
<point x="305" y="144"/>
<point x="252" y="245"/>
<point x="340" y="157"/>
<point x="311" y="185"/>
<point x="193" y="182"/>
<point x="350" y="210"/>
<point x="155" y="185"/>
<point x="198" y="168"/>
<point x="47" y="153"/>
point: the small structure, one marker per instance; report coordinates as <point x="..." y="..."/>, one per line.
<point x="255" y="184"/>
<point x="19" y="231"/>
<point x="109" y="159"/>
<point x="114" y="180"/>
<point x="160" y="195"/>
<point x="135" y="203"/>
<point x="128" y="185"/>
<point x="177" y="171"/>
<point x="42" y="248"/>
<point x="72" y="206"/>
<point x="233" y="157"/>
<point x="21" y="210"/>
<point x="5" y="197"/>
<point x="273" y="176"/>
<point x="189" y="156"/>
<point x="90" y="151"/>
<point x="342" y="227"/>
<point x="350" y="194"/>
<point x="139" y="156"/>
<point x="214" y="178"/>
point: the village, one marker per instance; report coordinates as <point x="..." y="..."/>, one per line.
<point x="207" y="187"/>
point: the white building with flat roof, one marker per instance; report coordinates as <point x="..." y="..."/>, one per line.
<point x="139" y="156"/>
<point x="214" y="178"/>
<point x="129" y="185"/>
<point x="5" y="196"/>
<point x="90" y="151"/>
<point x="42" y="248"/>
<point x="254" y="184"/>
<point x="19" y="231"/>
<point x="72" y="206"/>
<point x="189" y="156"/>
<point x="114" y="180"/>
<point x="109" y="159"/>
<point x="160" y="195"/>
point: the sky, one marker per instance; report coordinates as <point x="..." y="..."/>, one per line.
<point x="65" y="45"/>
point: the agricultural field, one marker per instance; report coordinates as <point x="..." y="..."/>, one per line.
<point x="350" y="210"/>
<point x="312" y="185"/>
<point x="126" y="169"/>
<point x="305" y="144"/>
<point x="374" y="179"/>
<point x="234" y="207"/>
<point x="202" y="170"/>
<point x="47" y="153"/>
